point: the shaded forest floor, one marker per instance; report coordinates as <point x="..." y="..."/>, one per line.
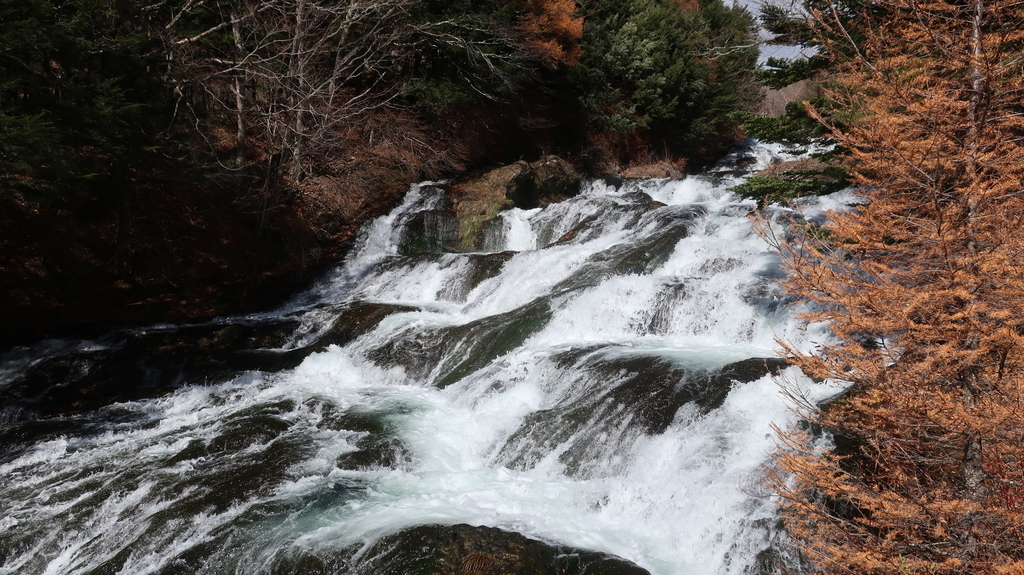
<point x="180" y="253"/>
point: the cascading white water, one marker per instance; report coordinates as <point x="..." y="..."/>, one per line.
<point x="557" y="386"/>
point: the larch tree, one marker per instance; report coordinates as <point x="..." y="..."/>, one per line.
<point x="553" y="30"/>
<point x="922" y="287"/>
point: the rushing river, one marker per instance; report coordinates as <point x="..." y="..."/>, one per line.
<point x="586" y="380"/>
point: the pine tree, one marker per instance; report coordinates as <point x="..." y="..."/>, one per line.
<point x="75" y="96"/>
<point x="923" y="289"/>
<point x="667" y="72"/>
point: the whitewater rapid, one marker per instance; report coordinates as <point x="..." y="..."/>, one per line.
<point x="555" y="384"/>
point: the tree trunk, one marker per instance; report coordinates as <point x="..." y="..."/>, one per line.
<point x="974" y="476"/>
<point x="237" y="89"/>
<point x="299" y="100"/>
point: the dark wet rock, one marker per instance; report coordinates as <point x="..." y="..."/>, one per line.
<point x="468" y="550"/>
<point x="450" y="550"/>
<point x="45" y="400"/>
<point x="771" y="562"/>
<point x="668" y="298"/>
<point x="628" y="209"/>
<point x="740" y="160"/>
<point x="430" y="231"/>
<point x="483" y="266"/>
<point x="581" y="232"/>
<point x="193" y="560"/>
<point x="152" y="363"/>
<point x="752" y="369"/>
<point x="142" y="364"/>
<point x="217" y="481"/>
<point x="257" y="425"/>
<point x="487" y="266"/>
<point x="447" y="354"/>
<point x="491" y="237"/>
<point x="779" y="556"/>
<point x="763" y="293"/>
<point x="627" y="395"/>
<point x="635" y="257"/>
<point x="18" y="435"/>
<point x="254" y="451"/>
<point x="643" y="258"/>
<point x="243" y="457"/>
<point x="613" y="181"/>
<point x="357" y="319"/>
<point x="478" y="343"/>
<point x="546" y="181"/>
<point x="378" y="447"/>
<point x="266" y="360"/>
<point x="719" y="265"/>
<point x="249" y="458"/>
<point x="308" y="564"/>
<point x="375" y="452"/>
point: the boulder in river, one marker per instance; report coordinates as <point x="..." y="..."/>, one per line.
<point x="546" y="181"/>
<point x="479" y="199"/>
<point x="523" y="185"/>
<point x="468" y="550"/>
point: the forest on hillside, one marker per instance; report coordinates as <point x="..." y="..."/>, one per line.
<point x="161" y="159"/>
<point x="176" y="159"/>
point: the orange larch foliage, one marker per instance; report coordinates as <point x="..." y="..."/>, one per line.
<point x="552" y="30"/>
<point x="923" y="288"/>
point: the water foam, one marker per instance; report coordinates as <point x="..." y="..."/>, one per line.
<point x="251" y="467"/>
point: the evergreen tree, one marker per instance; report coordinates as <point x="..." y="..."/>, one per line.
<point x="666" y="69"/>
<point x="75" y="95"/>
<point x="923" y="288"/>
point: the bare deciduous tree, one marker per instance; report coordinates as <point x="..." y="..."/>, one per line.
<point x="292" y="71"/>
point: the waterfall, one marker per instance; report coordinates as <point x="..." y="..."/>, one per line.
<point x="594" y="379"/>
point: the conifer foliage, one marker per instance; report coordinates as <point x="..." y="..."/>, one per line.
<point x="553" y="29"/>
<point x="666" y="71"/>
<point x="923" y="287"/>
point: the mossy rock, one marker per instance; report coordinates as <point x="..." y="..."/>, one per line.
<point x="479" y="199"/>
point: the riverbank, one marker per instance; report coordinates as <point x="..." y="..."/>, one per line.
<point x="187" y="251"/>
<point x="179" y="254"/>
